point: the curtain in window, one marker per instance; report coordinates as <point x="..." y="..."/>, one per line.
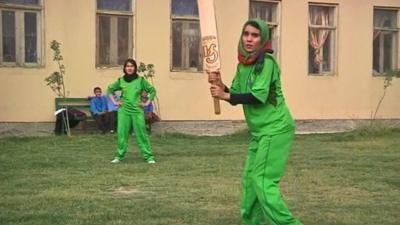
<point x="318" y="36"/>
<point x="379" y="21"/>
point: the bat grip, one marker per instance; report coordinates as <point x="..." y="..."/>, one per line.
<point x="217" y="107"/>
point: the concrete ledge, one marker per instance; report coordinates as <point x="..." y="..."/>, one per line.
<point x="325" y="126"/>
<point x="201" y="128"/>
<point x="27" y="129"/>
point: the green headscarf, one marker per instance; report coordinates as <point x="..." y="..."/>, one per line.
<point x="256" y="57"/>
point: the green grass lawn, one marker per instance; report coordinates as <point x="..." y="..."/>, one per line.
<point x="342" y="179"/>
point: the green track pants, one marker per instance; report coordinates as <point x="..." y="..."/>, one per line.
<point x="261" y="201"/>
<point x="135" y="120"/>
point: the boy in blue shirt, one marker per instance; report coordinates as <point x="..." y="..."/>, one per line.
<point x="99" y="108"/>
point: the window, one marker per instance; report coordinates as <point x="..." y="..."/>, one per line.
<point x="385" y="40"/>
<point x="186" y="45"/>
<point x="321" y="39"/>
<point x="20" y="35"/>
<point x="267" y="11"/>
<point x="114" y="42"/>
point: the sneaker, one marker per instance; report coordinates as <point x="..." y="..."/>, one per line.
<point x="115" y="160"/>
<point x="151" y="162"/>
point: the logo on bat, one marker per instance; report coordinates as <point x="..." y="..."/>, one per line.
<point x="210" y="49"/>
<point x="210" y="53"/>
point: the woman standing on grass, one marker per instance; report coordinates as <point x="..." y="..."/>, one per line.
<point x="130" y="112"/>
<point x="257" y="87"/>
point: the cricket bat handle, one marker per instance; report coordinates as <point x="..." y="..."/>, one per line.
<point x="217" y="108"/>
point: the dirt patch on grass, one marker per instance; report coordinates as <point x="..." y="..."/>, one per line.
<point x="129" y="191"/>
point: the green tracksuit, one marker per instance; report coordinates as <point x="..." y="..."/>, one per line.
<point x="131" y="115"/>
<point x="272" y="129"/>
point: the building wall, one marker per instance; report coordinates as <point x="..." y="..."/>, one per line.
<point x="352" y="93"/>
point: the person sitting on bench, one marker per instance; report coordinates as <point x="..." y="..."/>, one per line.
<point x="99" y="109"/>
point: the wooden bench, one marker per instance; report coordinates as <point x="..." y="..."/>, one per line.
<point x="81" y="104"/>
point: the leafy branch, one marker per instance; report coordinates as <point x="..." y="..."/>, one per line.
<point x="56" y="81"/>
<point x="148" y="72"/>
<point x="386" y="84"/>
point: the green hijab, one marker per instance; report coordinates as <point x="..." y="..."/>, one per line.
<point x="256" y="57"/>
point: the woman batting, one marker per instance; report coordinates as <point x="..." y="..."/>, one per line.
<point x="257" y="87"/>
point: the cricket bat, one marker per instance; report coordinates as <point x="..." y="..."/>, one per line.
<point x="209" y="41"/>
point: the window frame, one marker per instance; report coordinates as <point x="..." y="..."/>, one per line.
<point x="19" y="11"/>
<point x="333" y="44"/>
<point x="186" y="21"/>
<point x="395" y="57"/>
<point x="276" y="38"/>
<point x="114" y="15"/>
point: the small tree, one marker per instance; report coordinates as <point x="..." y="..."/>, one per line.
<point x="386" y="84"/>
<point x="147" y="71"/>
<point x="56" y="82"/>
